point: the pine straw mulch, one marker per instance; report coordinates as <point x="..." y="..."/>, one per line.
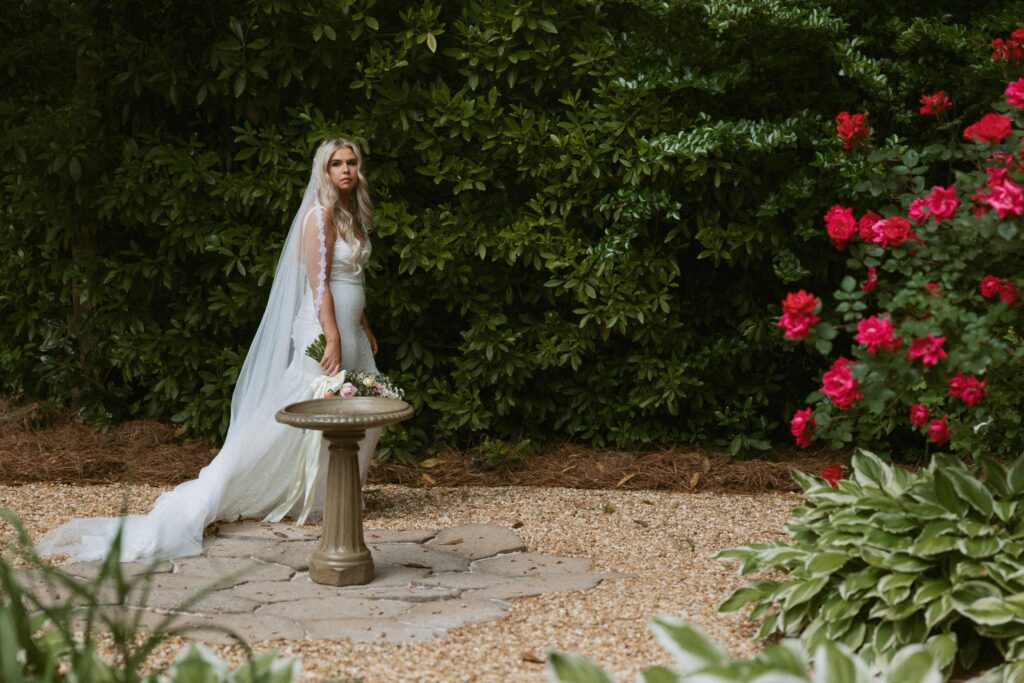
<point x="41" y="443"/>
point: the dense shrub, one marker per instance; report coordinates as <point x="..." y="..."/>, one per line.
<point x="702" y="661"/>
<point x="931" y="299"/>
<point x="891" y="558"/>
<point x="585" y="210"/>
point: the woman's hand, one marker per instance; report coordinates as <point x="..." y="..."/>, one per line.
<point x="372" y="339"/>
<point x="331" y="362"/>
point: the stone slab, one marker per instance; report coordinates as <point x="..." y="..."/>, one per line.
<point x="212" y="603"/>
<point x="337" y="607"/>
<point x="90" y="570"/>
<point x="528" y="564"/>
<point x="251" y="627"/>
<point x="396" y="536"/>
<point x="461" y="581"/>
<point x="252" y="529"/>
<point x="294" y="554"/>
<point x="477" y="541"/>
<point x="369" y="630"/>
<point x="233" y="568"/>
<point x="403" y="593"/>
<point x="537" y="584"/>
<point x="455" y="613"/>
<point x="417" y="556"/>
<point x="238" y="547"/>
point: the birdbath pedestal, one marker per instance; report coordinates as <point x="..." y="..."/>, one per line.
<point x="342" y="558"/>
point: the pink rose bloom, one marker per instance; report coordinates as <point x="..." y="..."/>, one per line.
<point x="841" y="225"/>
<point x="895" y="231"/>
<point x="802" y="427"/>
<point x="1015" y="93"/>
<point x="938" y="431"/>
<point x="347" y="389"/>
<point x="1006" y="198"/>
<point x="928" y="349"/>
<point x="839" y="385"/>
<point x="942" y="202"/>
<point x="989" y="286"/>
<point x="916" y="211"/>
<point x="919" y="415"/>
<point x="872" y="280"/>
<point x="797" y="326"/>
<point x="877" y="333"/>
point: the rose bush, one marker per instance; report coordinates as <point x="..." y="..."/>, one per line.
<point x="931" y="338"/>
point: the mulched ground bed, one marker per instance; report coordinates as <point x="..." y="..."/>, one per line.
<point x="42" y="443"/>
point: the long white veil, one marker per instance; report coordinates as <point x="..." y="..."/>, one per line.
<point x="248" y="476"/>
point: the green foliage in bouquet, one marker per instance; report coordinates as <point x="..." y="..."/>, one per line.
<point x="892" y="558"/>
<point x="698" y="659"/>
<point x="51" y="623"/>
<point x="586" y="212"/>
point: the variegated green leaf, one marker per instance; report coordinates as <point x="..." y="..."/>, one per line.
<point x="691" y="649"/>
<point x="914" y="664"/>
<point x="573" y="668"/>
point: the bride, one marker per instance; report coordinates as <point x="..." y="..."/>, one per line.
<point x="266" y="469"/>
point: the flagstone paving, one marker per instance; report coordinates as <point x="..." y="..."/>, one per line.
<point x="255" y="582"/>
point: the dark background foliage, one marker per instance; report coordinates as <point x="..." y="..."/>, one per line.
<point x="586" y="211"/>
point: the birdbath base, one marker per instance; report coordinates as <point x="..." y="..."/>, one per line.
<point x="342" y="558"/>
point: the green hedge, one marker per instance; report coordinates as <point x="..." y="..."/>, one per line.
<point x="587" y="212"/>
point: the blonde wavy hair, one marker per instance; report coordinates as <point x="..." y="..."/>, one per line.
<point x="327" y="194"/>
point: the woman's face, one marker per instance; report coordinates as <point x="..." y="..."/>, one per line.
<point x="343" y="169"/>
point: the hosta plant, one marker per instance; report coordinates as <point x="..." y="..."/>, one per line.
<point x="699" y="660"/>
<point x="890" y="558"/>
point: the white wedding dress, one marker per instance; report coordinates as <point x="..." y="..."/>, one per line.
<point x="260" y="466"/>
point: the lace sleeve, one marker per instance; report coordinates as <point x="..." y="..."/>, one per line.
<point x="316" y="241"/>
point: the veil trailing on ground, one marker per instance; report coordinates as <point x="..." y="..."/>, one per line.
<point x="248" y="477"/>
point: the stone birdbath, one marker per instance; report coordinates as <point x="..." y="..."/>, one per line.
<point x="342" y="558"/>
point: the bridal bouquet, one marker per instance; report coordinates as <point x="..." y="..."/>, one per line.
<point x="348" y="383"/>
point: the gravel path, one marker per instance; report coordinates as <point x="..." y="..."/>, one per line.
<point x="664" y="541"/>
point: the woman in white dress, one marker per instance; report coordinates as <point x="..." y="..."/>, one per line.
<point x="267" y="470"/>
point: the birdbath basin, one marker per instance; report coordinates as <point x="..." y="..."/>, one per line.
<point x="342" y="558"/>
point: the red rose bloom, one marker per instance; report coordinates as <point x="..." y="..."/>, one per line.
<point x="1007" y="50"/>
<point x="852" y="128"/>
<point x="1009" y="293"/>
<point x="872" y="280"/>
<point x="800" y="303"/>
<point x="866" y="224"/>
<point x="917" y="211"/>
<point x="832" y="474"/>
<point x="932" y="105"/>
<point x="802" y="427"/>
<point x="839" y="384"/>
<point x="798" y="314"/>
<point x="938" y="431"/>
<point x="919" y="415"/>
<point x="989" y="286"/>
<point x="968" y="388"/>
<point x="841" y="225"/>
<point x="989" y="128"/>
<point x="928" y="349"/>
<point x="895" y="231"/>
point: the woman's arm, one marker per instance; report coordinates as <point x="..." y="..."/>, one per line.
<point x="318" y="268"/>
